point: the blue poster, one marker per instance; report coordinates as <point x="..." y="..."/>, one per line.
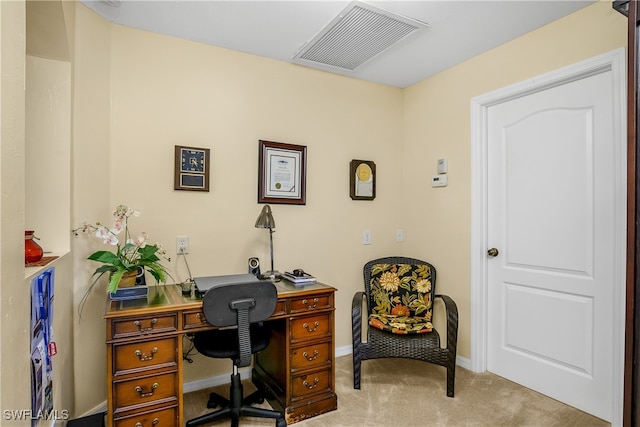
<point x="42" y="345"/>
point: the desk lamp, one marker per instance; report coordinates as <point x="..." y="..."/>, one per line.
<point x="265" y="220"/>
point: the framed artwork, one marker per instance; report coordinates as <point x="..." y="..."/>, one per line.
<point x="362" y="180"/>
<point x="192" y="169"/>
<point x="282" y="173"/>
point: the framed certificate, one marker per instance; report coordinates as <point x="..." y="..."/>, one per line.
<point x="362" y="180"/>
<point x="191" y="170"/>
<point x="282" y="173"/>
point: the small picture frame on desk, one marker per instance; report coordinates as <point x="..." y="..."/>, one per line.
<point x="192" y="169"/>
<point x="362" y="180"/>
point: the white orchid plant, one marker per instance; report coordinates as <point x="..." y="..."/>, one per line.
<point x="130" y="256"/>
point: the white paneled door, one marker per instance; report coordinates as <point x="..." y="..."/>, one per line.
<point x="553" y="232"/>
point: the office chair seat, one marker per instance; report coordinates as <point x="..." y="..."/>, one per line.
<point x="239" y="310"/>
<point x="223" y="343"/>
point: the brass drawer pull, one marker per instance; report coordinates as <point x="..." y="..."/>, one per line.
<point x="145" y="330"/>
<point x="311" y="386"/>
<point x="314" y="357"/>
<point x="315" y="326"/>
<point x="144" y="358"/>
<point x="306" y="303"/>
<point x="150" y="393"/>
<point x="201" y="318"/>
<point x="154" y="422"/>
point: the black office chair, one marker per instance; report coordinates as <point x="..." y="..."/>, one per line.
<point x="244" y="305"/>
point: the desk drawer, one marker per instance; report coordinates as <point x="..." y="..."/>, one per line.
<point x="305" y="385"/>
<point x="160" y="418"/>
<point x="307" y="304"/>
<point x="311" y="327"/>
<point x="281" y="308"/>
<point x="145" y="355"/>
<point x="194" y="319"/>
<point x="143" y="391"/>
<point x="142" y="326"/>
<point x="311" y="356"/>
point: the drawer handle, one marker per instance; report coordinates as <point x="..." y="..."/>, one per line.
<point x="144" y="358"/>
<point x="150" y="393"/>
<point x="311" y="386"/>
<point x="145" y="330"/>
<point x="312" y="358"/>
<point x="154" y="422"/>
<point x="310" y="330"/>
<point x="201" y="318"/>
<point x="309" y="307"/>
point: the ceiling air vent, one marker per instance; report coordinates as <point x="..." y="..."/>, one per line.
<point x="357" y="35"/>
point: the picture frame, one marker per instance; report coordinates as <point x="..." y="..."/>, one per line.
<point x="282" y="173"/>
<point x="362" y="179"/>
<point x="191" y="168"/>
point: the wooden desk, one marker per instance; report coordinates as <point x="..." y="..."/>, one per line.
<point x="144" y="355"/>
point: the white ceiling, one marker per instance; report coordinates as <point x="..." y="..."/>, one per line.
<point x="458" y="30"/>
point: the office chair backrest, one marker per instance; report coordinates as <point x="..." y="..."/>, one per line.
<point x="221" y="303"/>
<point x="240" y="304"/>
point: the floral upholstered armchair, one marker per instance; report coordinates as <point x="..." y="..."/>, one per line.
<point x="398" y="297"/>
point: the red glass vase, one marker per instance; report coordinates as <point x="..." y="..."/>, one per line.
<point x="32" y="251"/>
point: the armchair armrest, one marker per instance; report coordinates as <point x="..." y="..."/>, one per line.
<point x="356" y="317"/>
<point x="452" y="322"/>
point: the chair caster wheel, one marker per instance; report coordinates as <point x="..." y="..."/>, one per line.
<point x="212" y="405"/>
<point x="281" y="423"/>
<point x="259" y="400"/>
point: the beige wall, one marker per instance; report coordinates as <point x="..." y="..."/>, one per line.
<point x="137" y="94"/>
<point x="437" y="124"/>
<point x="167" y="91"/>
<point x="91" y="196"/>
<point x="14" y="302"/>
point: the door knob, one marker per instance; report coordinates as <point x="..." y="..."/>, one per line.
<point x="493" y="252"/>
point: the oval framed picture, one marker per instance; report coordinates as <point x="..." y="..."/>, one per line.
<point x="362" y="180"/>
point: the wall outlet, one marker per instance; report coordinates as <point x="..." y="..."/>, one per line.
<point x="182" y="245"/>
<point x="439" y="180"/>
<point x="366" y="237"/>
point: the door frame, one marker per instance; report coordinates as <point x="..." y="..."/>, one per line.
<point x="613" y="61"/>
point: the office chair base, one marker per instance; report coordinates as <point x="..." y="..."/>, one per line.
<point x="237" y="407"/>
<point x="215" y="400"/>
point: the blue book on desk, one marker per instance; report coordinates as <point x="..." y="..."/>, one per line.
<point x="133" y="292"/>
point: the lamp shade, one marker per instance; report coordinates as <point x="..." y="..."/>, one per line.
<point x="265" y="219"/>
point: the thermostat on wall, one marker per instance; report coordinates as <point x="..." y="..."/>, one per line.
<point x="439" y="180"/>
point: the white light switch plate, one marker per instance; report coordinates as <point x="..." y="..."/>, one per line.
<point x="442" y="166"/>
<point x="366" y="237"/>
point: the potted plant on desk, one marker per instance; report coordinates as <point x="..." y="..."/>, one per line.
<point x="129" y="256"/>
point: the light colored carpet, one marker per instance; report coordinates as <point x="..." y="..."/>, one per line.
<point x="399" y="392"/>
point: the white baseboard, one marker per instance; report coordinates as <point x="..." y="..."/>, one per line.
<point x="102" y="407"/>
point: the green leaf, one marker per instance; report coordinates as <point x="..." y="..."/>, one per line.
<point x="105" y="257"/>
<point x="114" y="280"/>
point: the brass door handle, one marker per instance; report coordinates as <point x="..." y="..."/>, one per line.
<point x="493" y="252"/>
